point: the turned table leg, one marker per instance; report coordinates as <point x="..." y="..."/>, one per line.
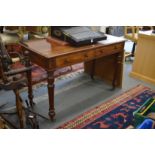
<point x="50" y="80"/>
<point x="93" y="69"/>
<point x="116" y="65"/>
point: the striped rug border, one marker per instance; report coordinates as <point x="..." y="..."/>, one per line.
<point x="105" y="107"/>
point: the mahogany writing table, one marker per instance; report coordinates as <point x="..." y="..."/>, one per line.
<point x="104" y="59"/>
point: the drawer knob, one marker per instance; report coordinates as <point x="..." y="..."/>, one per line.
<point x="66" y="61"/>
<point x="85" y="55"/>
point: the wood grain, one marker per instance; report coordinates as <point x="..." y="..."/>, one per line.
<point x="144" y="63"/>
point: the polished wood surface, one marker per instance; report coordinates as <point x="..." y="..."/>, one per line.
<point x="44" y="50"/>
<point x="52" y="55"/>
<point x="144" y="63"/>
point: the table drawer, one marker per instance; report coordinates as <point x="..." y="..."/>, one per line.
<point x="74" y="58"/>
<point x="108" y="50"/>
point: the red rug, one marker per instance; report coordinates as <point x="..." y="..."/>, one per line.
<point x="116" y="113"/>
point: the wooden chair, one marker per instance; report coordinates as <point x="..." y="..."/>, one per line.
<point x="131" y="33"/>
<point x="11" y="79"/>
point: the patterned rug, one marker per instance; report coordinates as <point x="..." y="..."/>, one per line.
<point x="116" y="113"/>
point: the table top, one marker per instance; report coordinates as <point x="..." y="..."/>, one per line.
<point x="51" y="49"/>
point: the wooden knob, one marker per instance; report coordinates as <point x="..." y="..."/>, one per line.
<point x="66" y="61"/>
<point x="85" y="55"/>
<point x="115" y="47"/>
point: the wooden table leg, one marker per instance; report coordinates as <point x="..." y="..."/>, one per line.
<point x="50" y="80"/>
<point x="115" y="71"/>
<point x="92" y="69"/>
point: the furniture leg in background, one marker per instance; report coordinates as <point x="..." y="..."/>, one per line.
<point x="133" y="50"/>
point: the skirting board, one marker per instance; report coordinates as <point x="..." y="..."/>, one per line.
<point x="142" y="77"/>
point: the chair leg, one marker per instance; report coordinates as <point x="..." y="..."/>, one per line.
<point x="30" y="91"/>
<point x="29" y="79"/>
<point x="133" y="50"/>
<point x="20" y="110"/>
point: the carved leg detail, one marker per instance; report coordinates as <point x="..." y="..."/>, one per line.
<point x="50" y="79"/>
